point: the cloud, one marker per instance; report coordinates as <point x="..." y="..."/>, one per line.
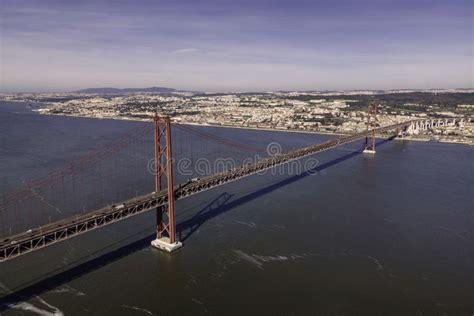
<point x="186" y="51"/>
<point x="297" y="44"/>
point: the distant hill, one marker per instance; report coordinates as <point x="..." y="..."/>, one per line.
<point x="108" y="90"/>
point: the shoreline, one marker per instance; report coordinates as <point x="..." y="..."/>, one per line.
<point x="268" y="129"/>
<point x="127" y="118"/>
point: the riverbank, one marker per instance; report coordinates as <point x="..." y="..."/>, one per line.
<point x="128" y="118"/>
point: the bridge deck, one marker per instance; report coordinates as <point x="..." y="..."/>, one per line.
<point x="49" y="234"/>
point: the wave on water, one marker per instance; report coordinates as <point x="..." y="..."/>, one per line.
<point x="138" y="309"/>
<point x="25" y="306"/>
<point x="45" y="310"/>
<point x="68" y="289"/>
<point x="259" y="260"/>
<point x="249" y="224"/>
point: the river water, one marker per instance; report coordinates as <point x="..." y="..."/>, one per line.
<point x="391" y="234"/>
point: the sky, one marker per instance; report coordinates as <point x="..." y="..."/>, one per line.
<point x="239" y="45"/>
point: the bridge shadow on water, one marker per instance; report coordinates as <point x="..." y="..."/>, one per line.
<point x="185" y="229"/>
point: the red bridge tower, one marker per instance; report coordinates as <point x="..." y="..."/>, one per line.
<point x="165" y="215"/>
<point x="371" y="126"/>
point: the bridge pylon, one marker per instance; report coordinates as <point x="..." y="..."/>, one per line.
<point x="165" y="215"/>
<point x="371" y="127"/>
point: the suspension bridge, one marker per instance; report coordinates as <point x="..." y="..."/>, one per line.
<point x="78" y="198"/>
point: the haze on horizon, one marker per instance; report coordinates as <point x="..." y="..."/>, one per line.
<point x="245" y="45"/>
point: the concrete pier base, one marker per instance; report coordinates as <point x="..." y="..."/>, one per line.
<point x="369" y="151"/>
<point x="165" y="245"/>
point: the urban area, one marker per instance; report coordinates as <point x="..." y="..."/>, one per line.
<point x="337" y="112"/>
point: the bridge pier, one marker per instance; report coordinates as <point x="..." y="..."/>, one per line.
<point x="165" y="228"/>
<point x="165" y="244"/>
